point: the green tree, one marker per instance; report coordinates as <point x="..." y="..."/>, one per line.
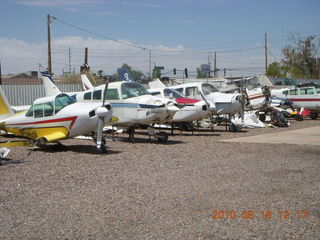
<point x="201" y="74"/>
<point x="299" y="58"/>
<point x="276" y="70"/>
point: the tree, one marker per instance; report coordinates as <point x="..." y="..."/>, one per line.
<point x="300" y="57"/>
<point x="201" y="74"/>
<point x="276" y="70"/>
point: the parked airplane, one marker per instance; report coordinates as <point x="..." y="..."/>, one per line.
<point x="54" y="118"/>
<point x="193" y="109"/>
<point x="306" y="96"/>
<point x="222" y="103"/>
<point x="131" y="103"/>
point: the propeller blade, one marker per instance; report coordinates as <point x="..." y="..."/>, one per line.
<point x="105" y="93"/>
<point x="100" y="132"/>
<point x="205" y="99"/>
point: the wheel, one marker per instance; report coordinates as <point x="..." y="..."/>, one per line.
<point x="103" y="148"/>
<point x="162" y="137"/>
<point x="314" y="115"/>
<point x="298" y="117"/>
<point x="262" y="117"/>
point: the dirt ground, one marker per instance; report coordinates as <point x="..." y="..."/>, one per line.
<point x="192" y="187"/>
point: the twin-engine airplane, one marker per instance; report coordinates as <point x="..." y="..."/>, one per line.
<point x="54" y="118"/>
<point x="222" y="103"/>
<point x="193" y="109"/>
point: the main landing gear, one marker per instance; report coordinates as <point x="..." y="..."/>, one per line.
<point x="161" y="137"/>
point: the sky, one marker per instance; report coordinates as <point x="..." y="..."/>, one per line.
<point x="174" y="34"/>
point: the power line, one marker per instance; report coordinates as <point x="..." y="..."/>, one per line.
<point x="97" y="34"/>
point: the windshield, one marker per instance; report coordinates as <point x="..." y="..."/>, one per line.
<point x="132" y="89"/>
<point x="61" y="101"/>
<point x="207" y="88"/>
<point x="171" y="93"/>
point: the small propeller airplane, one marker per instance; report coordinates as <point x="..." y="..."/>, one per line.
<point x="193" y="109"/>
<point x="54" y="118"/>
<point x="222" y="103"/>
<point x="305" y="96"/>
<point x="132" y="104"/>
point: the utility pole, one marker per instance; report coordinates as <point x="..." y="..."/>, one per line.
<point x="266" y="52"/>
<point x="49" y="44"/>
<point x="150" y="64"/>
<point x="69" y="60"/>
<point x="209" y="63"/>
<point x="86" y="56"/>
<point x="215" y="65"/>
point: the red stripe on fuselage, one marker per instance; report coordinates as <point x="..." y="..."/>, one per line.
<point x="73" y="119"/>
<point x="304" y="99"/>
<point x="186" y="100"/>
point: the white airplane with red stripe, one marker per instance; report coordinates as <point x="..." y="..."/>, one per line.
<point x="54" y="118"/>
<point x="302" y="97"/>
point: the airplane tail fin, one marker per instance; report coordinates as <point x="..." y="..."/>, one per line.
<point x="86" y="84"/>
<point x="5" y="108"/>
<point x="124" y="75"/>
<point x="156" y="84"/>
<point x="50" y="87"/>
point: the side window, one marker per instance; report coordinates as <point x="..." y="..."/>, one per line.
<point x="191" y="91"/>
<point x="293" y="92"/>
<point x="87" y="96"/>
<point x="310" y="91"/>
<point x="112" y="94"/>
<point x="318" y="90"/>
<point x="285" y="92"/>
<point x="96" y="95"/>
<point x="38" y="110"/>
<point x="306" y="91"/>
<point x="48" y="109"/>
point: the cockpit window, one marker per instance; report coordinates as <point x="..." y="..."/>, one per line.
<point x="96" y="95"/>
<point x="40" y="110"/>
<point x="47" y="109"/>
<point x="62" y="101"/>
<point x="192" y="91"/>
<point x="171" y="93"/>
<point x="132" y="89"/>
<point x="87" y="96"/>
<point x="207" y="88"/>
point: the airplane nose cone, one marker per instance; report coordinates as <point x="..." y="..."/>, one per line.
<point x="172" y="107"/>
<point x="101" y="112"/>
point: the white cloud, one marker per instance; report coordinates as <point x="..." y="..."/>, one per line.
<point x="19" y="56"/>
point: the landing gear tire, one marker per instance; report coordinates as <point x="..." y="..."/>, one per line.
<point x="103" y="148"/>
<point x="314" y="115"/>
<point x="262" y="117"/>
<point x="298" y="117"/>
<point x="162" y="137"/>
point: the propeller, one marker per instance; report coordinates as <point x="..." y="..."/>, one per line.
<point x="101" y="112"/>
<point x="243" y="98"/>
<point x="209" y="106"/>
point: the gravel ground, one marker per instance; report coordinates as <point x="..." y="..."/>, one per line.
<point x="148" y="190"/>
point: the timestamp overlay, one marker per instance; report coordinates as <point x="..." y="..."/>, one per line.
<point x="267" y="214"/>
